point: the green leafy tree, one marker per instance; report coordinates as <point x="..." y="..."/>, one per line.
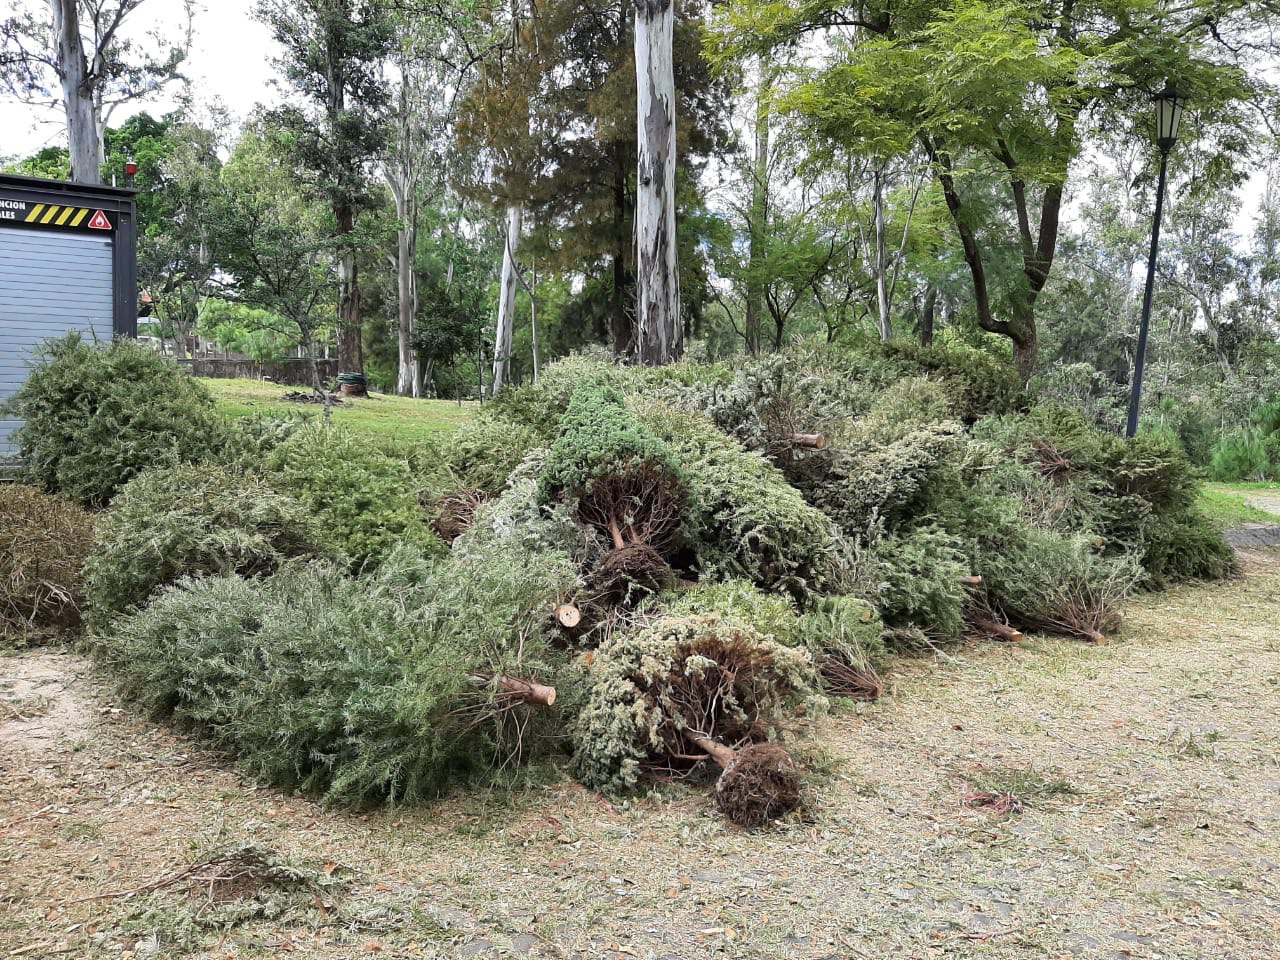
<point x="1000" y="94"/>
<point x="273" y="241"/>
<point x="334" y="51"/>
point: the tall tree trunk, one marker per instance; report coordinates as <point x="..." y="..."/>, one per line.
<point x="883" y="321"/>
<point x="533" y="318"/>
<point x="621" y="330"/>
<point x="759" y="225"/>
<point x="402" y="187"/>
<point x="659" y="332"/>
<point x="350" y="344"/>
<point x="507" y="300"/>
<point x="402" y="179"/>
<point x="406" y="368"/>
<point x="927" y="316"/>
<point x="77" y="96"/>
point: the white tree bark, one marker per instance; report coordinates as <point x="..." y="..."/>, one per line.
<point x="77" y="94"/>
<point x="659" y="332"/>
<point x="402" y="180"/>
<point x="507" y="301"/>
<point x="885" y="322"/>
<point x="407" y="380"/>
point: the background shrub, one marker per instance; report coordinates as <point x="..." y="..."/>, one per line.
<point x="1245" y="454"/>
<point x="98" y="415"/>
<point x="363" y="495"/>
<point x="43" y="542"/>
<point x="188" y="520"/>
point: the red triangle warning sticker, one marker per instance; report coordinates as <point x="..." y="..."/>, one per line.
<point x="99" y="221"/>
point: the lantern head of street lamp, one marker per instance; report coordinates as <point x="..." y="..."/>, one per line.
<point x="1169" y="104"/>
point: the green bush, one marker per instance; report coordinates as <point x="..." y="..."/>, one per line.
<point x="1134" y="495"/>
<point x="539" y="406"/>
<point x="621" y="479"/>
<point x="979" y="383"/>
<point x="361" y="689"/>
<point x="1182" y="546"/>
<point x="845" y="627"/>
<point x="869" y="483"/>
<point x="1054" y="582"/>
<point x="649" y="690"/>
<point x="247" y="443"/>
<point x="363" y="496"/>
<point x="43" y="542"/>
<point x="739" y="600"/>
<point x="913" y="578"/>
<point x="775" y="396"/>
<point x="98" y="415"/>
<point x="187" y="520"/>
<point x="599" y="437"/>
<point x="482" y="455"/>
<point x="1244" y="454"/>
<point x="748" y="522"/>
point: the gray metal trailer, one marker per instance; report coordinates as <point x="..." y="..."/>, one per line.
<point x="68" y="261"/>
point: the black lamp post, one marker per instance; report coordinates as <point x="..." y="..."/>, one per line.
<point x="1168" y="114"/>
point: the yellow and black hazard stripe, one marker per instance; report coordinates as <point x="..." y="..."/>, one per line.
<point x="69" y="217"/>
<point x="53" y="215"/>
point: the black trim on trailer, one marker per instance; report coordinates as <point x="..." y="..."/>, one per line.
<point x="25" y="202"/>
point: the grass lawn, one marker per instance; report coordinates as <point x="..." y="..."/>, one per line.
<point x="1232" y="504"/>
<point x="380" y="415"/>
<point x="1046" y="800"/>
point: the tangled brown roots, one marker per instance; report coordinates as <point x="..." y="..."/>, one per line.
<point x="457" y="511"/>
<point x="641" y="503"/>
<point x="629" y="574"/>
<point x="761" y="783"/>
<point x="843" y="677"/>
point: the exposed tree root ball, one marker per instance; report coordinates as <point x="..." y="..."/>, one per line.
<point x="761" y="784"/>
<point x="842" y="677"/>
<point x="457" y="511"/>
<point x="629" y="574"/>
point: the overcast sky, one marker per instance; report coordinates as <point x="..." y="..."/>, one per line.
<point x="231" y="60"/>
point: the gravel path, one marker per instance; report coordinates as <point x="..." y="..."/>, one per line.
<point x="1150" y="825"/>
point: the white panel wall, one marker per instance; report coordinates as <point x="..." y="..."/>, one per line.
<point x="50" y="283"/>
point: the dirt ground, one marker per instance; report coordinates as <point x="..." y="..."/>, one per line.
<point x="1149" y="825"/>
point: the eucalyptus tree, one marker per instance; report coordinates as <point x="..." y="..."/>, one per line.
<point x="659" y="326"/>
<point x="74" y="54"/>
<point x="436" y="47"/>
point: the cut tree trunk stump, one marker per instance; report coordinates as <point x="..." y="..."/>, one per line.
<point x="527" y="690"/>
<point x="1001" y="631"/>
<point x="811" y="441"/>
<point x="568" y="615"/>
